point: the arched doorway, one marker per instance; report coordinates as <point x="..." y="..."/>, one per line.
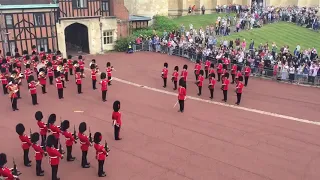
<point x="76" y="38"/>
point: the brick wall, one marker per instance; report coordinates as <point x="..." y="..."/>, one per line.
<point x="121" y="12"/>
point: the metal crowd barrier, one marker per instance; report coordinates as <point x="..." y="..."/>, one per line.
<point x="258" y="72"/>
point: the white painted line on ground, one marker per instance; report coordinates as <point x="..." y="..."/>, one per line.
<point x="219" y="103"/>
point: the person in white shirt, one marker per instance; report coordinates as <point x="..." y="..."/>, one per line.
<point x="291" y="73"/>
<point x="284" y="73"/>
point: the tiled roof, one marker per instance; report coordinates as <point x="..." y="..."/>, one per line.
<point x="139" y="18"/>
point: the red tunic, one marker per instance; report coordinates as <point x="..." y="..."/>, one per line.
<point x="109" y="70"/>
<point x="212" y="83"/>
<point x="42" y="127"/>
<point x="238" y="74"/>
<point x="84" y="141"/>
<point x="59" y="84"/>
<point x="13" y="95"/>
<point x="50" y="71"/>
<point x="197" y="68"/>
<point x="42" y="80"/>
<point x="240" y="87"/>
<point x="247" y="71"/>
<point x="32" y="88"/>
<point x="70" y="63"/>
<point x="219" y="68"/>
<point x="93" y="74"/>
<point x="54" y="155"/>
<point x="184" y="74"/>
<point x="38" y="151"/>
<point x="207" y="65"/>
<point x="69" y="138"/>
<point x="200" y="80"/>
<point x="26" y="143"/>
<point x="3" y="79"/>
<point x="100" y="152"/>
<point x="6" y="173"/>
<point x="226" y="83"/>
<point x="55" y="130"/>
<point x="27" y="73"/>
<point x="116" y="116"/>
<point x="164" y="73"/>
<point x="104" y="85"/>
<point x="81" y="64"/>
<point x="182" y="93"/>
<point x="175" y="76"/>
<point x="234" y="69"/>
<point x="78" y="78"/>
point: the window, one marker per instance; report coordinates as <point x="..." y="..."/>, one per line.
<point x="79" y="4"/>
<point x="42" y="43"/>
<point x="12" y="45"/>
<point x="105" y="6"/>
<point x="107" y="37"/>
<point x="39" y="19"/>
<point x="9" y="21"/>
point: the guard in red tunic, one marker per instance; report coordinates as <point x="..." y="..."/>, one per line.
<point x="13" y="90"/>
<point x="233" y="72"/>
<point x="27" y="72"/>
<point x="55" y="130"/>
<point x="207" y="65"/>
<point x="247" y="71"/>
<point x="117" y="122"/>
<point x="4" y="80"/>
<point x="239" y="89"/>
<point x="65" y="69"/>
<point x="219" y="70"/>
<point x="59" y="85"/>
<point x="70" y="65"/>
<point x="81" y="65"/>
<point x="32" y="85"/>
<point x="184" y="74"/>
<point x="39" y="152"/>
<point x="78" y="80"/>
<point x="200" y="82"/>
<point x="164" y="74"/>
<point x="175" y="76"/>
<point x="101" y="153"/>
<point x="104" y="86"/>
<point x="197" y="69"/>
<point x="70" y="139"/>
<point x="54" y="156"/>
<point x="43" y="80"/>
<point x="109" y="72"/>
<point x="85" y="142"/>
<point x="94" y="76"/>
<point x="212" y="84"/>
<point x="211" y="71"/>
<point x="26" y="143"/>
<point x="225" y="87"/>
<point x="182" y="94"/>
<point x="50" y="72"/>
<point x="42" y="128"/>
<point x="5" y="172"/>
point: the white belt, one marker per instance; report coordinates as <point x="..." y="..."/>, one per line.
<point x="54" y="157"/>
<point x="59" y="83"/>
<point x="41" y="128"/>
<point x="83" y="142"/>
<point x="32" y="89"/>
<point x="24" y="142"/>
<point x="67" y="139"/>
<point x="54" y="132"/>
<point x="37" y="152"/>
<point x="100" y="152"/>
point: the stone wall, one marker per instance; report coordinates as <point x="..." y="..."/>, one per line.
<point x="147" y="8"/>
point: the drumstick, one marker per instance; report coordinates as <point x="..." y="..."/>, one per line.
<point x="175" y="104"/>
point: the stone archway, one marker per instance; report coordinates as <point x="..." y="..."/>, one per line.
<point x="77" y="38"/>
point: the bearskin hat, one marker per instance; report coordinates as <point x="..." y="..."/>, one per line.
<point x="38" y="115"/>
<point x="224" y="66"/>
<point x="75" y="62"/>
<point x="41" y="49"/>
<point x="213" y="75"/>
<point x="219" y="61"/>
<point x="33" y="53"/>
<point x="24" y="52"/>
<point x="4" y="61"/>
<point x="116" y="106"/>
<point x="17" y="55"/>
<point x="108" y="64"/>
<point x="36" y="59"/>
<point x="58" y="73"/>
<point x="44" y="57"/>
<point x="58" y="52"/>
<point x="198" y="61"/>
<point x="82" y="127"/>
<point x="3" y="70"/>
<point x="34" y="46"/>
<point x="103" y="75"/>
<point x="42" y="70"/>
<point x="182" y="82"/>
<point x="201" y="72"/>
<point x="27" y="57"/>
<point x="97" y="137"/>
<point x="176" y="68"/>
<point x="11" y="79"/>
<point x="78" y="69"/>
<point x="69" y="56"/>
<point x="20" y="129"/>
<point x="14" y="65"/>
<point x="65" y="125"/>
<point x="54" y="58"/>
<point x="50" y="140"/>
<point x="165" y="65"/>
<point x="3" y="159"/>
<point x="64" y="61"/>
<point x="240" y="78"/>
<point x="92" y="66"/>
<point x="239" y="68"/>
<point x="93" y="60"/>
<point x="28" y="66"/>
<point x="52" y="119"/>
<point x="226" y="75"/>
<point x="8" y="54"/>
<point x="16" y="50"/>
<point x="14" y="72"/>
<point x="79" y="57"/>
<point x="185" y="67"/>
<point x="49" y="64"/>
<point x="212" y="65"/>
<point x="35" y="137"/>
<point x="30" y="78"/>
<point x="49" y="51"/>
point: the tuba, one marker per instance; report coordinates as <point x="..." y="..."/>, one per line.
<point x="14" y="89"/>
<point x="60" y="68"/>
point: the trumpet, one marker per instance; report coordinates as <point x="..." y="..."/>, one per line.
<point x="36" y="83"/>
<point x="42" y="74"/>
<point x="76" y="65"/>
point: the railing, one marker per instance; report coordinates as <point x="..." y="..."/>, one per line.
<point x="258" y="72"/>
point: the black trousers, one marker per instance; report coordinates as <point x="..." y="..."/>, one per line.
<point x="225" y="95"/>
<point x="211" y="93"/>
<point x="18" y="94"/>
<point x="5" y="90"/>
<point x="206" y="72"/>
<point x="60" y="93"/>
<point x="181" y="104"/>
<point x="109" y="78"/>
<point x="164" y="82"/>
<point x="175" y="84"/>
<point x="79" y="86"/>
<point x="197" y="75"/>
<point x="200" y="90"/>
<point x="66" y="76"/>
<point x="43" y="89"/>
<point x="14" y="103"/>
<point x="69" y="152"/>
<point x="104" y="95"/>
<point x="26" y="160"/>
<point x="34" y="99"/>
<point x="56" y="144"/>
<point x="71" y="71"/>
<point x="239" y="98"/>
<point x="55" y="73"/>
<point x="63" y="84"/>
<point x="246" y="79"/>
<point x="219" y="77"/>
<point x="43" y="141"/>
<point x="233" y="76"/>
<point x="100" y="168"/>
<point x="54" y="171"/>
<point x="94" y="83"/>
<point x="84" y="161"/>
<point x="51" y="80"/>
<point x="116" y="132"/>
<point x="38" y="167"/>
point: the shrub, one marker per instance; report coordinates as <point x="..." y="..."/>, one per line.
<point x="121" y="44"/>
<point x="164" y="23"/>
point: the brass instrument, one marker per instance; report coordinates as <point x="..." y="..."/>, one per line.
<point x="42" y="74"/>
<point x="28" y="62"/>
<point x="14" y="89"/>
<point x="60" y="68"/>
<point x="76" y="65"/>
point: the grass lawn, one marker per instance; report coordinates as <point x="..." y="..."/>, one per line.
<point x="281" y="33"/>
